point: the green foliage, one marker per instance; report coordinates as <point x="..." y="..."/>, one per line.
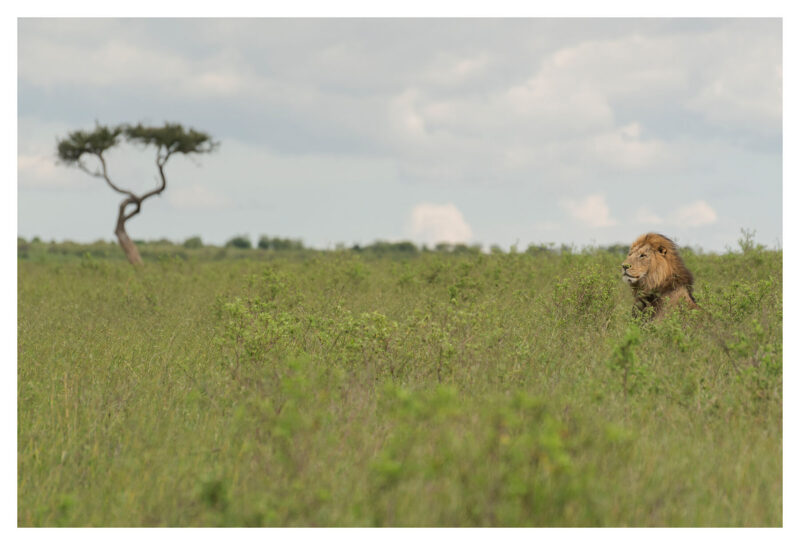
<point x="623" y="359"/>
<point x="239" y="241"/>
<point x="585" y="296"/>
<point x="96" y="142"/>
<point x="507" y="463"/>
<point x="747" y="242"/>
<point x="346" y="388"/>
<point x="404" y="248"/>
<point x="193" y="243"/>
<point x="537" y="249"/>
<point x="279" y="244"/>
<point x="399" y="251"/>
<point x="171" y="137"/>
<point x="445" y="247"/>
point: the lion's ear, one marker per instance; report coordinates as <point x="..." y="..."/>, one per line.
<point x="662" y="250"/>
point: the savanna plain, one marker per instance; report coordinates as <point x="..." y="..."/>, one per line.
<point x="393" y="387"/>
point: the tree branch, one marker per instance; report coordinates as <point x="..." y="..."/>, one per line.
<point x="94" y="173"/>
<point x="130" y="200"/>
<point x="160" y="162"/>
<point x="104" y="175"/>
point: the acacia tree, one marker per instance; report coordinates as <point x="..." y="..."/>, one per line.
<point x="168" y="140"/>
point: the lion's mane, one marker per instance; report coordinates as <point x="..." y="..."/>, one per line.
<point x="657" y="275"/>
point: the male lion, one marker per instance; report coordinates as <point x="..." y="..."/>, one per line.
<point x="657" y="275"/>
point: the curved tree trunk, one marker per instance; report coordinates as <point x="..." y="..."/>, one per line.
<point x="131" y="251"/>
<point x="128" y="246"/>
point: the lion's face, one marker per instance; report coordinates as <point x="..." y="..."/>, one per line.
<point x="634" y="268"/>
<point x="640" y="261"/>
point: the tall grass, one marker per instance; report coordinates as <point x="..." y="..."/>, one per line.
<point x="339" y="389"/>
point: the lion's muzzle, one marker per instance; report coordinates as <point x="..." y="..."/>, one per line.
<point x="629" y="278"/>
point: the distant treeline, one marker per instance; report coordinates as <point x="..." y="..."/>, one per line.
<point x="243" y="246"/>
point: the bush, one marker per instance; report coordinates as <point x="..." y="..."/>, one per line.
<point x="193" y="243"/>
<point x="240" y="241"/>
<point x="267" y="243"/>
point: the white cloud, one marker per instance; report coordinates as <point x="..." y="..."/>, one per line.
<point x="743" y="88"/>
<point x="405" y="117"/>
<point x="625" y="149"/>
<point x="694" y="214"/>
<point x="41" y="172"/>
<point x="197" y="197"/>
<point x="593" y="211"/>
<point x="467" y="108"/>
<point x="36" y="170"/>
<point x="124" y="63"/>
<point x="645" y="215"/>
<point x="451" y="70"/>
<point x="563" y="113"/>
<point x="432" y="223"/>
<point x="619" y="67"/>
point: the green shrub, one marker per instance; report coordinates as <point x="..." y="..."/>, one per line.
<point x="240" y="241"/>
<point x="193" y="243"/>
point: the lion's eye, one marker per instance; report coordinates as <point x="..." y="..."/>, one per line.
<point x="643" y="255"/>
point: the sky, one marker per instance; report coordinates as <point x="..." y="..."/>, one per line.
<point x="503" y="132"/>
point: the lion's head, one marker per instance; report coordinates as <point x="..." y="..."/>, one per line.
<point x="654" y="265"/>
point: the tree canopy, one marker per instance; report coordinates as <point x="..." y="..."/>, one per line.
<point x="78" y="143"/>
<point x="171" y="138"/>
<point x="168" y="139"/>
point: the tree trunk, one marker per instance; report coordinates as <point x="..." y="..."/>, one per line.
<point x="130" y="249"/>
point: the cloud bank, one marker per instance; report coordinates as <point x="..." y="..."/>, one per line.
<point x="433" y="223"/>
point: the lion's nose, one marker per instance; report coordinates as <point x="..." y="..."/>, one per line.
<point x="626" y="266"/>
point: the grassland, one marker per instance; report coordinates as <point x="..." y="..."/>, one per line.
<point x="435" y="389"/>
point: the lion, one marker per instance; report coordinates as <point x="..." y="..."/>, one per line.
<point x="657" y="275"/>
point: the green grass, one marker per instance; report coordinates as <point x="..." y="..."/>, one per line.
<point x="339" y="389"/>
